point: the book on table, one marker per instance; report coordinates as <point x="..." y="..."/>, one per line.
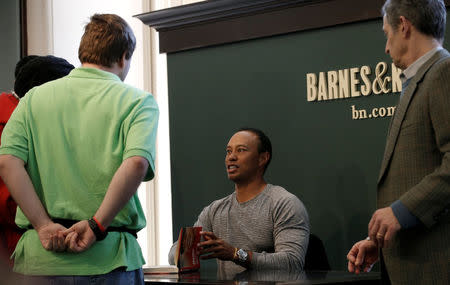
<point x="160" y="269"/>
<point x="186" y="256"/>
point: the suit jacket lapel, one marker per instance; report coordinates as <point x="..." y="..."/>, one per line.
<point x="401" y="109"/>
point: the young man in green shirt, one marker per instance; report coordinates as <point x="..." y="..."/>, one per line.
<point x="73" y="155"/>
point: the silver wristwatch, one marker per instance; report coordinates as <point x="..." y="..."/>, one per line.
<point x="242" y="255"/>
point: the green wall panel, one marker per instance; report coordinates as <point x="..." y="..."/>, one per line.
<point x="321" y="154"/>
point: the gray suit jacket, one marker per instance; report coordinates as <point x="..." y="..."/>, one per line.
<point x="416" y="170"/>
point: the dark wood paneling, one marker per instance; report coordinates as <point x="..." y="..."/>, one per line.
<point x="218" y="22"/>
<point x="23" y="29"/>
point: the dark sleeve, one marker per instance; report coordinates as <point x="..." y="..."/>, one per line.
<point x="429" y="199"/>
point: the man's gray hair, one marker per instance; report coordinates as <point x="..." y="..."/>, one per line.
<point x="427" y="16"/>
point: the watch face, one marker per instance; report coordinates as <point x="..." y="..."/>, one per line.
<point x="242" y="254"/>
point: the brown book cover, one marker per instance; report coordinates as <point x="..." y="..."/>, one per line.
<point x="187" y="255"/>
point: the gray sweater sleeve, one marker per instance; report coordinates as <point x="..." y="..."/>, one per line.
<point x="202" y="221"/>
<point x="172" y="251"/>
<point x="291" y="237"/>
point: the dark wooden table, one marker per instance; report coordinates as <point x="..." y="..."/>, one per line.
<point x="211" y="276"/>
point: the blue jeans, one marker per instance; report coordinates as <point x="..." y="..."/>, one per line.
<point x="115" y="277"/>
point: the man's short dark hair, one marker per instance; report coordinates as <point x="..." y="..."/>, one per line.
<point x="427" y="16"/>
<point x="264" y="144"/>
<point x="39" y="70"/>
<point x="106" y="38"/>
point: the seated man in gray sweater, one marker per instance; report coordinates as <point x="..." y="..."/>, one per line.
<point x="258" y="226"/>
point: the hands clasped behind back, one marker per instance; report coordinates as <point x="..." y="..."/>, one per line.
<point x="79" y="237"/>
<point x="52" y="237"/>
<point x="55" y="237"/>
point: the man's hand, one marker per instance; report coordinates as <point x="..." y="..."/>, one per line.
<point x="362" y="256"/>
<point x="215" y="247"/>
<point x="383" y="226"/>
<point x="52" y="237"/>
<point x="79" y="237"/>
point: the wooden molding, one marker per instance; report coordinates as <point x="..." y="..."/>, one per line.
<point x="224" y="21"/>
<point x="23" y="29"/>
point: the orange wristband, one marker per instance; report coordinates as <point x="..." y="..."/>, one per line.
<point x="100" y="226"/>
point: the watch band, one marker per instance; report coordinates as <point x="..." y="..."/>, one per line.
<point x="99" y="234"/>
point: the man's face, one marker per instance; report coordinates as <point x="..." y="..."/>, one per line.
<point x="395" y="44"/>
<point x="243" y="161"/>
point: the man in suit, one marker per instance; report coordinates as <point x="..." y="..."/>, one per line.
<point x="410" y="231"/>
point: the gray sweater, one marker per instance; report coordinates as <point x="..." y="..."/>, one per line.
<point x="274" y="226"/>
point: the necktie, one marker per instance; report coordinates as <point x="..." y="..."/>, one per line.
<point x="404" y="86"/>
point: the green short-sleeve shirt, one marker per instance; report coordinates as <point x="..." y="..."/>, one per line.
<point x="73" y="133"/>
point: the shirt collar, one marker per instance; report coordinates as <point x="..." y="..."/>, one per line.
<point x="89" y="72"/>
<point x="409" y="72"/>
